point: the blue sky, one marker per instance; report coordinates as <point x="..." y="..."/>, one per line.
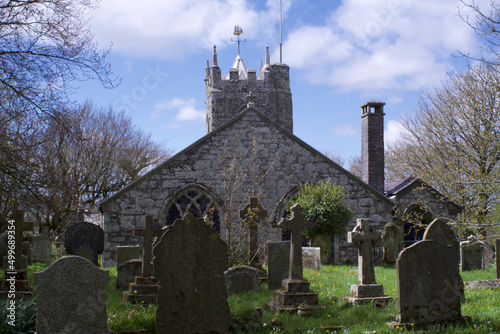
<point x="341" y="54"/>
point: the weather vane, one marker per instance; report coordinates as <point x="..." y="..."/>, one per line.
<point x="237" y="32"/>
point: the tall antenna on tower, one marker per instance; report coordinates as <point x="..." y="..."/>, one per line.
<point x="237" y="32"/>
<point x="281" y="32"/>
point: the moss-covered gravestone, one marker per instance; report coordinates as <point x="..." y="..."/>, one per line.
<point x="189" y="261"/>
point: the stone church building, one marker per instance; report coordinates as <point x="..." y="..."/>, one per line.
<point x="249" y="151"/>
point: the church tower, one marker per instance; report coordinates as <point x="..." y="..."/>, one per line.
<point x="227" y="94"/>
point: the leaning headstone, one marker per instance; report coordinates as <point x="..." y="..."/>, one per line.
<point x="15" y="265"/>
<point x="428" y="285"/>
<point x="144" y="290"/>
<point x="471" y="254"/>
<point x="497" y="251"/>
<point x="391" y="243"/>
<point x="278" y="263"/>
<point x="252" y="214"/>
<point x="311" y="257"/>
<point x="41" y="248"/>
<point x="86" y="240"/>
<point x="71" y="297"/>
<point x="189" y="263"/>
<point x="363" y="237"/>
<point x="295" y="290"/>
<point x="241" y="279"/>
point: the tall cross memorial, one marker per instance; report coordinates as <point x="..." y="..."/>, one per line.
<point x="296" y="225"/>
<point x="149" y="231"/>
<point x="364" y="237"/>
<point x="253" y="213"/>
<point x="295" y="292"/>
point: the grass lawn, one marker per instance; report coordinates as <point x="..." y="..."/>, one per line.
<point x="332" y="283"/>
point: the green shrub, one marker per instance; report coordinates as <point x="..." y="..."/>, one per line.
<point x="323" y="203"/>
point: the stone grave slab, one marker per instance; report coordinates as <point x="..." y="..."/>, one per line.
<point x="391" y="243"/>
<point x="127" y="271"/>
<point x="41" y="248"/>
<point x="71" y="297"/>
<point x="127" y="253"/>
<point x="428" y="285"/>
<point x="86" y="240"/>
<point x="190" y="261"/>
<point x="278" y="263"/>
<point x="242" y="279"/>
<point x="472" y="255"/>
<point x="311" y="257"/>
<point x="364" y="237"/>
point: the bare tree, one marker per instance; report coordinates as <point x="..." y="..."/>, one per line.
<point x="453" y="142"/>
<point x="85" y="156"/>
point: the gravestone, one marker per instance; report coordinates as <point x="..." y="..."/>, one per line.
<point x="472" y="254"/>
<point x="439" y="231"/>
<point x="144" y="290"/>
<point x="391" y="243"/>
<point x="252" y="214"/>
<point x="124" y="254"/>
<point x="127" y="272"/>
<point x="15" y="265"/>
<point x="311" y="257"/>
<point x="364" y="237"/>
<point x="71" y="297"/>
<point x="497" y="256"/>
<point x="84" y="239"/>
<point x="189" y="261"/>
<point x="41" y="248"/>
<point x="295" y="290"/>
<point x="59" y="240"/>
<point x="428" y="285"/>
<point x="278" y="263"/>
<point x="242" y="279"/>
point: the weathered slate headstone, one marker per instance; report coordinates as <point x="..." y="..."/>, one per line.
<point x="86" y="240"/>
<point x="252" y="214"/>
<point x="127" y="253"/>
<point x="391" y="243"/>
<point x="364" y="237"/>
<point x="41" y="248"/>
<point x="311" y="257"/>
<point x="126" y="269"/>
<point x="428" y="284"/>
<point x="472" y="254"/>
<point x="242" y="279"/>
<point x="439" y="231"/>
<point x="294" y="289"/>
<point x="71" y="297"/>
<point x="189" y="262"/>
<point x="497" y="256"/>
<point x="278" y="263"/>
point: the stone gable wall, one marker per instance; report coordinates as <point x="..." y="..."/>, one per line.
<point x="287" y="163"/>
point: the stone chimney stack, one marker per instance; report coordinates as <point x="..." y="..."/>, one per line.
<point x="372" y="144"/>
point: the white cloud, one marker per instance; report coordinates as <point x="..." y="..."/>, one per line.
<point x="345" y="130"/>
<point x="186" y="110"/>
<point x="380" y="45"/>
<point x="171" y="29"/>
<point x="393" y="132"/>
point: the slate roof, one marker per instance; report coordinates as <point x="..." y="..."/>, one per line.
<point x="393" y="187"/>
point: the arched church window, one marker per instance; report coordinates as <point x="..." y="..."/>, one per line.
<point x="416" y="219"/>
<point x="196" y="201"/>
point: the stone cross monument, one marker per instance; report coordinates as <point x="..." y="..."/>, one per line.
<point x="295" y="293"/>
<point x="296" y="225"/>
<point x="148" y="233"/>
<point x="253" y="213"/>
<point x="363" y="237"/>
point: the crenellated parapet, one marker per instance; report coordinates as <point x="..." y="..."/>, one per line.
<point x="226" y="94"/>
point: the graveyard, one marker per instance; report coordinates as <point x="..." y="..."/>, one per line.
<point x="189" y="288"/>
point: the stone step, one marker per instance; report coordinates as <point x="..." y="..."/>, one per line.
<point x="145" y="289"/>
<point x="295" y="298"/>
<point x="295" y="285"/>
